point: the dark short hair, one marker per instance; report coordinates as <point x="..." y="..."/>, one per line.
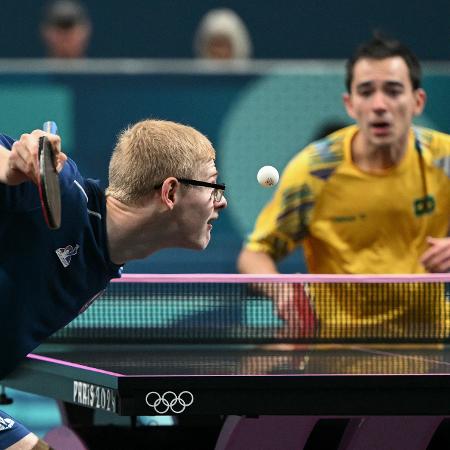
<point x="64" y="13"/>
<point x="382" y="47"/>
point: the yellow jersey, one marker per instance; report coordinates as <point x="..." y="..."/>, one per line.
<point x="353" y="222"/>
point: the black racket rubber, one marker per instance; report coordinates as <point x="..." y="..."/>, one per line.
<point x="49" y="190"/>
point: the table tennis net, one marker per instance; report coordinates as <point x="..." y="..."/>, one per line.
<point x="261" y="309"/>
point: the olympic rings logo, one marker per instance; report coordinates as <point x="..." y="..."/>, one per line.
<point x="169" y="401"/>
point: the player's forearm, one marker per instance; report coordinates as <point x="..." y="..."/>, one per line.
<point x="4" y="155"/>
<point x="260" y="263"/>
<point x="256" y="262"/>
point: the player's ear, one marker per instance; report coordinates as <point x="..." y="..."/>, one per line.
<point x="420" y="98"/>
<point x="168" y="191"/>
<point x="347" y="99"/>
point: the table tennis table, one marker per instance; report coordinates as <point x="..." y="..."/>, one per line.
<point x="306" y="384"/>
<point x="261" y="387"/>
<point x="241" y="380"/>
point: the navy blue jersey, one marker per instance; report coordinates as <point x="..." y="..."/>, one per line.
<point x="48" y="276"/>
<point x="11" y="431"/>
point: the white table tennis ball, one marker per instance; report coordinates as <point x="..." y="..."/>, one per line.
<point x="268" y="176"/>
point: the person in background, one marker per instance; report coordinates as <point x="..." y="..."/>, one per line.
<point x="371" y="198"/>
<point x="65" y="29"/>
<point x="222" y="35"/>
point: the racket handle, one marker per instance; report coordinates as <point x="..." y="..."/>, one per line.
<point x="50" y="127"/>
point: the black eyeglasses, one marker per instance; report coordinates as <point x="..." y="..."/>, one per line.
<point x="216" y="194"/>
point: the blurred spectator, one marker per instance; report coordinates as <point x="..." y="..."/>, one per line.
<point x="222" y="34"/>
<point x="65" y="29"/>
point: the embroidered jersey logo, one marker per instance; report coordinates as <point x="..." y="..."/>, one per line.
<point x="424" y="205"/>
<point x="6" y="423"/>
<point x="65" y="254"/>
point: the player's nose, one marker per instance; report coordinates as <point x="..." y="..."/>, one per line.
<point x="222" y="203"/>
<point x="379" y="101"/>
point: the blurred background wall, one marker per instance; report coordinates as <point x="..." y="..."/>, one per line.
<point x="279" y="29"/>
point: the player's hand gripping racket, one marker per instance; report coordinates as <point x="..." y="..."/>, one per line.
<point x="49" y="192"/>
<point x="295" y="307"/>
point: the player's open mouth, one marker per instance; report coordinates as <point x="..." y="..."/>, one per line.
<point x="380" y="127"/>
<point x="210" y="222"/>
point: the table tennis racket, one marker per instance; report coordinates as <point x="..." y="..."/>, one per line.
<point x="49" y="192"/>
<point x="296" y="308"/>
<point x="304" y="310"/>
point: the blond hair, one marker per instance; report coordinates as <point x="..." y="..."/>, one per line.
<point x="149" y="152"/>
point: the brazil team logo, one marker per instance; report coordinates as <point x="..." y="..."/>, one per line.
<point x="424" y="205"/>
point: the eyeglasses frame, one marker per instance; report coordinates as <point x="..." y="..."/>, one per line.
<point x="218" y="188"/>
